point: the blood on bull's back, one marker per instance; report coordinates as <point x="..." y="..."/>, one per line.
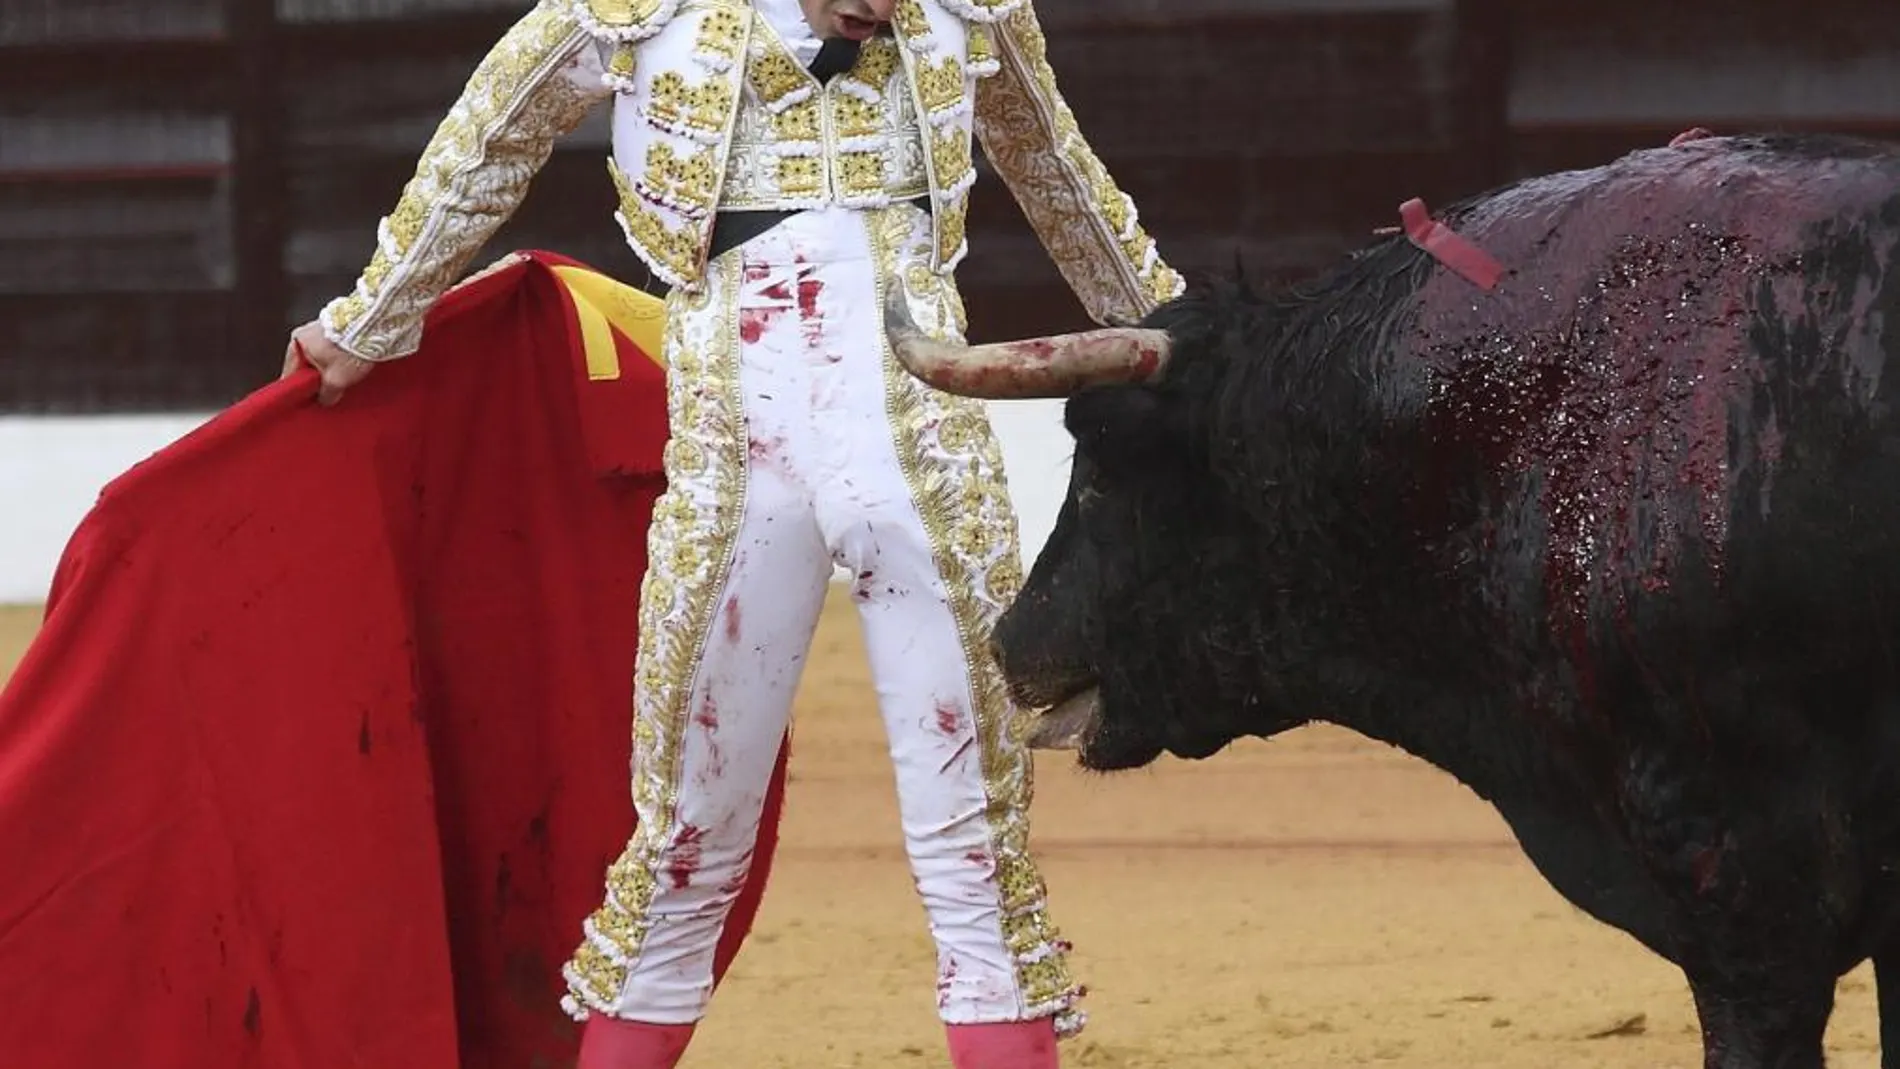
<point x="1681" y="392"/>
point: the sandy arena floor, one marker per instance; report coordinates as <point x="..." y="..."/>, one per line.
<point x="1320" y="901"/>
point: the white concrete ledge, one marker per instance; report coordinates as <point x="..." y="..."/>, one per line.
<point x="52" y="469"/>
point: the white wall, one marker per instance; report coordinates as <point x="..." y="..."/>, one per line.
<point x="51" y="471"/>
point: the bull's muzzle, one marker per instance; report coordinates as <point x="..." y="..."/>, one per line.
<point x="1065" y="726"/>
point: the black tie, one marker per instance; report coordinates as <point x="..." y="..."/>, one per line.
<point x="834" y="57"/>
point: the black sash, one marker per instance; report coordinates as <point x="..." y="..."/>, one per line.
<point x="732" y="229"/>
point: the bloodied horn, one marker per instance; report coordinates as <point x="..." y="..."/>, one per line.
<point x="1055" y="366"/>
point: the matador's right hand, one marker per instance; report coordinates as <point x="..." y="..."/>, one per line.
<point x="340" y="369"/>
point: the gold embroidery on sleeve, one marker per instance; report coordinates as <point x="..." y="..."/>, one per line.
<point x="1088" y="224"/>
<point x="472" y="175"/>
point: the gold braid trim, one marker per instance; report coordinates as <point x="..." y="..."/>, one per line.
<point x="1081" y="216"/>
<point x="473" y="174"/>
<point x="689" y="558"/>
<point x="953" y="466"/>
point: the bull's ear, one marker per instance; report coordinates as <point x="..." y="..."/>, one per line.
<point x="1125" y="428"/>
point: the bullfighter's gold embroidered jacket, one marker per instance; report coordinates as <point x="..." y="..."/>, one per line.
<point x="712" y="112"/>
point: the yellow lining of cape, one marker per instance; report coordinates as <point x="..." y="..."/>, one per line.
<point x="604" y="305"/>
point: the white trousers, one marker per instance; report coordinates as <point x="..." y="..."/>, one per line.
<point x="798" y="442"/>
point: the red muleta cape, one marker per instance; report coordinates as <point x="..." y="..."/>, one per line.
<point x="322" y="753"/>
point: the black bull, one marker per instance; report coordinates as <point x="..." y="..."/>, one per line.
<point x="1617" y="545"/>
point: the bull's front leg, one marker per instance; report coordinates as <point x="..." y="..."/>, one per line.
<point x="1758" y="1026"/>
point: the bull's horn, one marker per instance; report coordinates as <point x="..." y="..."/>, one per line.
<point x="1036" y="367"/>
<point x="1064" y="727"/>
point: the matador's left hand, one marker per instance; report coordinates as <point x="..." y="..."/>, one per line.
<point x="340" y="369"/>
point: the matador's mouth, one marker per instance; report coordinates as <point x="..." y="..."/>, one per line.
<point x="855" y="28"/>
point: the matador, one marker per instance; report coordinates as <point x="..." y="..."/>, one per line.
<point x="783" y="166"/>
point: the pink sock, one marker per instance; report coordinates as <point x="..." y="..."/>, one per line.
<point x="1007" y="1045"/>
<point x="608" y="1043"/>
